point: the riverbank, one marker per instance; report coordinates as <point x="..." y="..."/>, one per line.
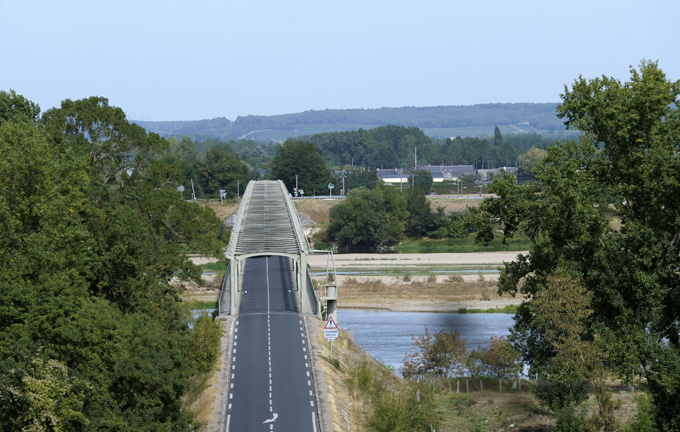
<point x="418" y="282"/>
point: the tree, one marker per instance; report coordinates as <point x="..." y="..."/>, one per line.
<point x="627" y="164"/>
<point x="419" y="219"/>
<point x="222" y="169"/>
<point x="499" y="359"/>
<point x="527" y="161"/>
<point x="359" y="220"/>
<point x="301" y="160"/>
<point x="93" y="331"/>
<point x="16" y="107"/>
<point x="113" y="145"/>
<point x="441" y="355"/>
<point x="422" y="179"/>
<point x="395" y="214"/>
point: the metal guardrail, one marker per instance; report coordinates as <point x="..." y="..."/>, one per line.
<point x="311" y="296"/>
<point x="224" y="304"/>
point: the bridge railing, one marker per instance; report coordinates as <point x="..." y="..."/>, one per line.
<point x="224" y="304"/>
<point x="311" y="295"/>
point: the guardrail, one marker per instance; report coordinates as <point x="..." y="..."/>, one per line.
<point x="224" y="304"/>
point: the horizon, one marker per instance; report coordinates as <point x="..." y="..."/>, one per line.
<point x="344" y="109"/>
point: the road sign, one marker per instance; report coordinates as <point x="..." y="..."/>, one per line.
<point x="330" y="330"/>
<point x="331" y="185"/>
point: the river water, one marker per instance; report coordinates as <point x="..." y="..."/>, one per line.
<point x="387" y="335"/>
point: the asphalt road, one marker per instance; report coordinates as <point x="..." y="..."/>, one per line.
<point x="271" y="386"/>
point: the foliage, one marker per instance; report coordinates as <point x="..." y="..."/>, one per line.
<point x="359" y="220"/>
<point x="526" y="162"/>
<point x="355" y="178"/>
<point x="204" y="343"/>
<point x="422" y="179"/>
<point x="15" y="107"/>
<point x="499" y="359"/>
<point x="221" y="170"/>
<point x="442" y="354"/>
<point x="368" y="218"/>
<point x="627" y="164"/>
<point x="410" y="410"/>
<point x="644" y="417"/>
<point x="300" y="160"/>
<point x="93" y="333"/>
<point x="52" y="400"/>
<point x="420" y="219"/>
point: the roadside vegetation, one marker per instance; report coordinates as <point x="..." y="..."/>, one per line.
<point x="94" y="334"/>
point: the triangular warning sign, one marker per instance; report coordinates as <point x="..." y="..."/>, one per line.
<point x="330" y="324"/>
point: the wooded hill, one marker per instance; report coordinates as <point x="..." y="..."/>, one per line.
<point x="441" y="121"/>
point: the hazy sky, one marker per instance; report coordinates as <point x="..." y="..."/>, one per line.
<point x="199" y="59"/>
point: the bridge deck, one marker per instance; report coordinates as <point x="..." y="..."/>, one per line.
<point x="266" y="224"/>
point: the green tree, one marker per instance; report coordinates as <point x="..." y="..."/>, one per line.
<point x="222" y="169"/>
<point x="422" y="179"/>
<point x="419" y="220"/>
<point x="527" y="161"/>
<point x="204" y="343"/>
<point x="395" y="214"/>
<point x="16" y="107"/>
<point x="499" y="359"/>
<point x="626" y="164"/>
<point x="301" y="159"/>
<point x="91" y="269"/>
<point x="359" y="220"/>
<point x="52" y="398"/>
<point x="442" y="354"/>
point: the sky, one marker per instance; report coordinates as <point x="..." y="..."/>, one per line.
<point x="201" y="59"/>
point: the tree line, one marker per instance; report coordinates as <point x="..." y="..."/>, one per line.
<point x="388" y="147"/>
<point x="94" y="334"/>
<point x="540" y="115"/>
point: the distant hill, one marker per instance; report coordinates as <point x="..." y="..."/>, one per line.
<point x="441" y="121"/>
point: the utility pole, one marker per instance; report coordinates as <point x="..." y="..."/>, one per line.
<point x="343" y="183"/>
<point x="238" y="191"/>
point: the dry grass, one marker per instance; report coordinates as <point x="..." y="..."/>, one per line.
<point x="222" y="211"/>
<point x="317" y="210"/>
<point x="453" y="205"/>
<point x="345" y="407"/>
<point x="419" y="294"/>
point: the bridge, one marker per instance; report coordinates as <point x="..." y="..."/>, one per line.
<point x="266" y="288"/>
<point x="267" y="224"/>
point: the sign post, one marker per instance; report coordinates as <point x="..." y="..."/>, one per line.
<point x="330" y="189"/>
<point x="330" y="332"/>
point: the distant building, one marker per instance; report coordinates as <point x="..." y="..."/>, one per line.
<point x="395" y="178"/>
<point x="486" y="174"/>
<point x="450" y="172"/>
<point x="442" y="173"/>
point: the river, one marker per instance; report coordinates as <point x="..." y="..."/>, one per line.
<point x="387" y="335"/>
